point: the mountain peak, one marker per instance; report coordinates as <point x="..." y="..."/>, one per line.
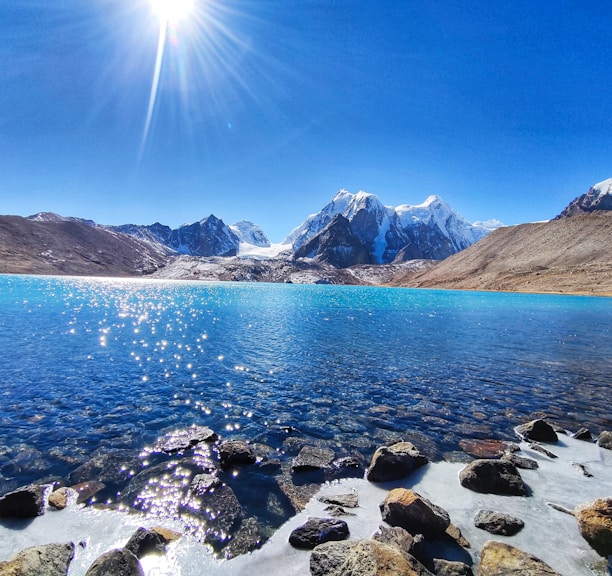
<point x="599" y="197"/>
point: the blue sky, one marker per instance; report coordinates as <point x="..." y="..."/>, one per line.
<point x="266" y="108"/>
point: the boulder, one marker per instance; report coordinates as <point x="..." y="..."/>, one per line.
<point x="493" y="477"/>
<point x="409" y="510"/>
<point x="605" y="440"/>
<point x="595" y="524"/>
<point x="312" y="458"/>
<point x="48" y="560"/>
<point x="449" y="568"/>
<point x="236" y="453"/>
<point x="318" y="531"/>
<point x="359" y="558"/>
<point x="26" y="502"/>
<point x="119" y="562"/>
<point x="537" y="431"/>
<point x="498" y="523"/>
<point x="499" y="559"/>
<point x="395" y="462"/>
<point x="145" y="541"/>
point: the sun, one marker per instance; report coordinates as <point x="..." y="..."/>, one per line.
<point x="172" y="10"/>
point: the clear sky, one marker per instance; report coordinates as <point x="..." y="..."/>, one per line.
<point x="264" y="109"/>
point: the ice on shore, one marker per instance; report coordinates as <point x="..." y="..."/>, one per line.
<point x="549" y="534"/>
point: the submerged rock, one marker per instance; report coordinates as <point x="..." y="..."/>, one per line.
<point x="595" y="524"/>
<point x="313" y="458"/>
<point x="416" y="514"/>
<point x="359" y="558"/>
<point x="48" y="560"/>
<point x="181" y="440"/>
<point x="498" y="523"/>
<point x="487" y="448"/>
<point x="395" y="462"/>
<point x="26" y="502"/>
<point x="537" y="431"/>
<point x="114" y="467"/>
<point x="236" y="453"/>
<point x="120" y="562"/>
<point x="499" y="559"/>
<point x="493" y="477"/>
<point x="318" y="531"/>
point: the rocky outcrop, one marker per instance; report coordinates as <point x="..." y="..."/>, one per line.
<point x="318" y="531"/>
<point x="498" y="523"/>
<point x="493" y="477"/>
<point x="499" y="559"/>
<point x="48" y="560"/>
<point x="395" y="462"/>
<point x="598" y="197"/>
<point x="595" y="524"/>
<point x="359" y="558"/>
<point x="409" y="510"/>
<point x="537" y="431"/>
<point x="120" y="562"/>
<point x="26" y="502"/>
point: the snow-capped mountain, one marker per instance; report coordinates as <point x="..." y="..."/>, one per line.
<point x="250" y="233"/>
<point x="53" y="217"/>
<point x="599" y="197"/>
<point x="431" y="230"/>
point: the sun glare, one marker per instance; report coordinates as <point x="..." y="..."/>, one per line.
<point x="172" y="10"/>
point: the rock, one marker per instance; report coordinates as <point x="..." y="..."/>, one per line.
<point x="181" y="440"/>
<point x="595" y="524"/>
<point x="499" y="559"/>
<point x="448" y="568"/>
<point x="246" y="539"/>
<point x="537" y="431"/>
<point x="498" y="523"/>
<point x="583" y="434"/>
<point x="26" y="502"/>
<point x="605" y="440"/>
<point x="395" y="462"/>
<point x="350" y="500"/>
<point x="454" y="533"/>
<point x="236" y="453"/>
<point x="581" y="469"/>
<point x="166" y="534"/>
<point x="318" y="531"/>
<point x="144" y="542"/>
<point x="416" y="514"/>
<point x="85" y="490"/>
<point x="521" y="461"/>
<point x="400" y="538"/>
<point x="61" y="497"/>
<point x="493" y="477"/>
<point x="116" y="563"/>
<point x="48" y="560"/>
<point x="359" y="558"/>
<point x="312" y="458"/>
<point x="484" y="448"/>
<point x="542" y="450"/>
<point x="114" y="467"/>
<point x="337" y="511"/>
<point x="203" y="483"/>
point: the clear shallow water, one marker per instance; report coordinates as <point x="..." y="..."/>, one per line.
<point x="99" y="365"/>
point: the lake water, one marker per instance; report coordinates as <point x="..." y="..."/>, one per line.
<point x="94" y="366"/>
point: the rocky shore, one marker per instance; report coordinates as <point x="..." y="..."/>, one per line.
<point x="541" y="505"/>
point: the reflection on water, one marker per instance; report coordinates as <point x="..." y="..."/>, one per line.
<point x="91" y="366"/>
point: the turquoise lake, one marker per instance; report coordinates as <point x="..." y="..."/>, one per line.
<point x="100" y="365"/>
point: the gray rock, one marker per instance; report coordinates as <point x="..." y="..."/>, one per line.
<point x="493" y="477"/>
<point x="448" y="568"/>
<point x="498" y="523"/>
<point x="521" y="461"/>
<point x="416" y="514"/>
<point x="499" y="559"/>
<point x="204" y="482"/>
<point x="318" y="531"/>
<point x="312" y="458"/>
<point x="26" y="502"/>
<point x="350" y="500"/>
<point x="359" y="558"/>
<point x="116" y="563"/>
<point x="181" y="440"/>
<point x="605" y="440"/>
<point x="236" y="453"/>
<point x="48" y="560"/>
<point x="583" y="434"/>
<point x="537" y="431"/>
<point x="395" y="462"/>
<point x="144" y="542"/>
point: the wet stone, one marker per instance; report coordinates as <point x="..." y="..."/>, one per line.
<point x="203" y="483"/>
<point x="181" y="440"/>
<point x="318" y="531"/>
<point x="114" y="467"/>
<point x="312" y="458"/>
<point x="236" y="453"/>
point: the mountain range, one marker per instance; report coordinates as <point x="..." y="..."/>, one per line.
<point x="353" y="239"/>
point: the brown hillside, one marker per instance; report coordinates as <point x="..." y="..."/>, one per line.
<point x="71" y="248"/>
<point x="569" y="255"/>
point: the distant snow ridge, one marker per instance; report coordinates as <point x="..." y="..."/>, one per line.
<point x="431" y="230"/>
<point x="250" y="233"/>
<point x="599" y="197"/>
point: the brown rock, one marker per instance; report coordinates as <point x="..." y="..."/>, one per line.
<point x="448" y="568"/>
<point x="60" y="497"/>
<point x="395" y="462"/>
<point x="595" y="524"/>
<point x="484" y="448"/>
<point x="49" y="560"/>
<point x="416" y="514"/>
<point x="499" y="559"/>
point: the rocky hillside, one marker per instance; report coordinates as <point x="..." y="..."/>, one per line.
<point x="69" y="246"/>
<point x="565" y="255"/>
